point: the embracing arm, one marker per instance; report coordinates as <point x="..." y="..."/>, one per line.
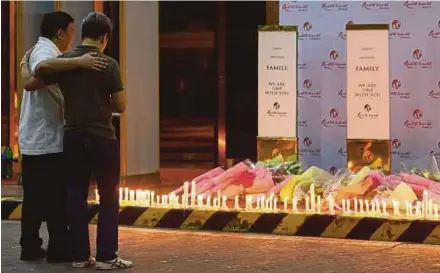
<point x="86" y="61"/>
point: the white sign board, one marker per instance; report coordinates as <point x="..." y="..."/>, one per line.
<point x="368" y="82"/>
<point x="277" y="82"/>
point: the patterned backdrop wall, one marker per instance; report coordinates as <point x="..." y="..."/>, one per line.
<point x="414" y="76"/>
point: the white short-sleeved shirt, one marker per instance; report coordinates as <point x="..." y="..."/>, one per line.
<point x="41" y="126"/>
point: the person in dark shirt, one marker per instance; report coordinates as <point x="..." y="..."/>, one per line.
<point x="90" y="144"/>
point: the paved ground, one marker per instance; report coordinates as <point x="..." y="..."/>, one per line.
<point x="197" y="252"/>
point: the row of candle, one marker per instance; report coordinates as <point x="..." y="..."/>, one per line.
<point x="422" y="209"/>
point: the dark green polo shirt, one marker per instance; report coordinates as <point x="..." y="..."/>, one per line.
<point x="87" y="94"/>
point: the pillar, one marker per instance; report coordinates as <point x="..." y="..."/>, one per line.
<point x="139" y="61"/>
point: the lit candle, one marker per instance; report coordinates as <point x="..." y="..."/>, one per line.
<point x="343" y="206"/>
<point x="407" y="208"/>
<point x="319" y="204"/>
<point x="219" y="198"/>
<point x="177" y="201"/>
<point x="361" y="206"/>
<point x="185" y="194"/>
<point x="236" y="206"/>
<point x="193" y="194"/>
<point x="126" y="194"/>
<point x="215" y="201"/>
<point x="436" y="211"/>
<point x="268" y="204"/>
<point x="258" y="204"/>
<point x="307" y="203"/>
<point x="397" y="209"/>
<point x="132" y="196"/>
<point x="411" y="210"/>
<point x="275" y="204"/>
<point x="199" y="201"/>
<point x="250" y="202"/>
<point x="152" y="198"/>
<point x="331" y="204"/>
<point x="96" y="196"/>
<point x="147" y="198"/>
<point x="295" y="204"/>
<point x="424" y="205"/>
<point x="430" y="212"/>
<point x="224" y="205"/>
<point x="355" y="205"/>
<point x="312" y="197"/>
<point x="348" y="206"/>
<point x="373" y="208"/>
<point x="262" y="202"/>
<point x="158" y="200"/>
<point x="418" y="209"/>
<point x="285" y="204"/>
<point x="367" y="207"/>
<point x="121" y="195"/>
<point x="377" y="206"/>
<point x="384" y="208"/>
<point x="208" y="202"/>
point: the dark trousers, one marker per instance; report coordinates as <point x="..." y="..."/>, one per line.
<point x="86" y="153"/>
<point x="44" y="199"/>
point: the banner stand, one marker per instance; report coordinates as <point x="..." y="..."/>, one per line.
<point x="277" y="93"/>
<point x="368" y="97"/>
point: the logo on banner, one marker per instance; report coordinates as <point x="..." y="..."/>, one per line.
<point x="342" y="94"/>
<point x="342" y="152"/>
<point x="343" y="34"/>
<point x="397" y="33"/>
<point x="333" y="63"/>
<point x="396" y="144"/>
<point x="334" y="6"/>
<point x="334" y="120"/>
<point x="395" y="93"/>
<point x="294" y="6"/>
<point x="307" y="84"/>
<point x="435" y="34"/>
<point x="367" y="114"/>
<point x="417" y="61"/>
<point x="433" y="94"/>
<point x="307" y="26"/>
<point x="276" y="113"/>
<point x="332" y="170"/>
<point x="302" y="123"/>
<point x="418" y="4"/>
<point x="418" y="121"/>
<point x="302" y="65"/>
<point x="307" y="141"/>
<point x="370" y="5"/>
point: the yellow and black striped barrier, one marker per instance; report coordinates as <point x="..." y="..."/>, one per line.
<point x="311" y="225"/>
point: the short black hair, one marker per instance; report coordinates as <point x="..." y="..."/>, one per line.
<point x="53" y="22"/>
<point x="96" y="25"/>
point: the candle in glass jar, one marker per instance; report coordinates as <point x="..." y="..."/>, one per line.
<point x="236" y="206"/>
<point x="275" y="204"/>
<point x="208" y="201"/>
<point x="185" y="194"/>
<point x="367" y="207"/>
<point x="193" y="194"/>
<point x="285" y="204"/>
<point x="355" y="205"/>
<point x="348" y="206"/>
<point x="152" y="198"/>
<point x="361" y="206"/>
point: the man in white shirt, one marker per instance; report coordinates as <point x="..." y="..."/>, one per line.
<point x="41" y="129"/>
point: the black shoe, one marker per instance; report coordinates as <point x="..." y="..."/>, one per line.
<point x="32" y="255"/>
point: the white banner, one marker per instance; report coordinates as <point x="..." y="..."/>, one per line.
<point x="368" y="77"/>
<point x="277" y="81"/>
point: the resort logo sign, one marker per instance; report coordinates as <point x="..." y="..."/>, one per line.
<point x="343" y="35"/>
<point x="418" y="4"/>
<point x="332" y="170"/>
<point x="395" y="93"/>
<point x="417" y="61"/>
<point x="307" y="84"/>
<point x="334" y="6"/>
<point x="342" y="152"/>
<point x="307" y="35"/>
<point x="371" y="5"/>
<point x="276" y="112"/>
<point x="396" y="144"/>
<point x="334" y="120"/>
<point x="307" y="142"/>
<point x="367" y="114"/>
<point x="294" y="6"/>
<point x="333" y="61"/>
<point x="418" y="121"/>
<point x="396" y="32"/>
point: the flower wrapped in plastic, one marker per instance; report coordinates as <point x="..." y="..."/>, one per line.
<point x="426" y="167"/>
